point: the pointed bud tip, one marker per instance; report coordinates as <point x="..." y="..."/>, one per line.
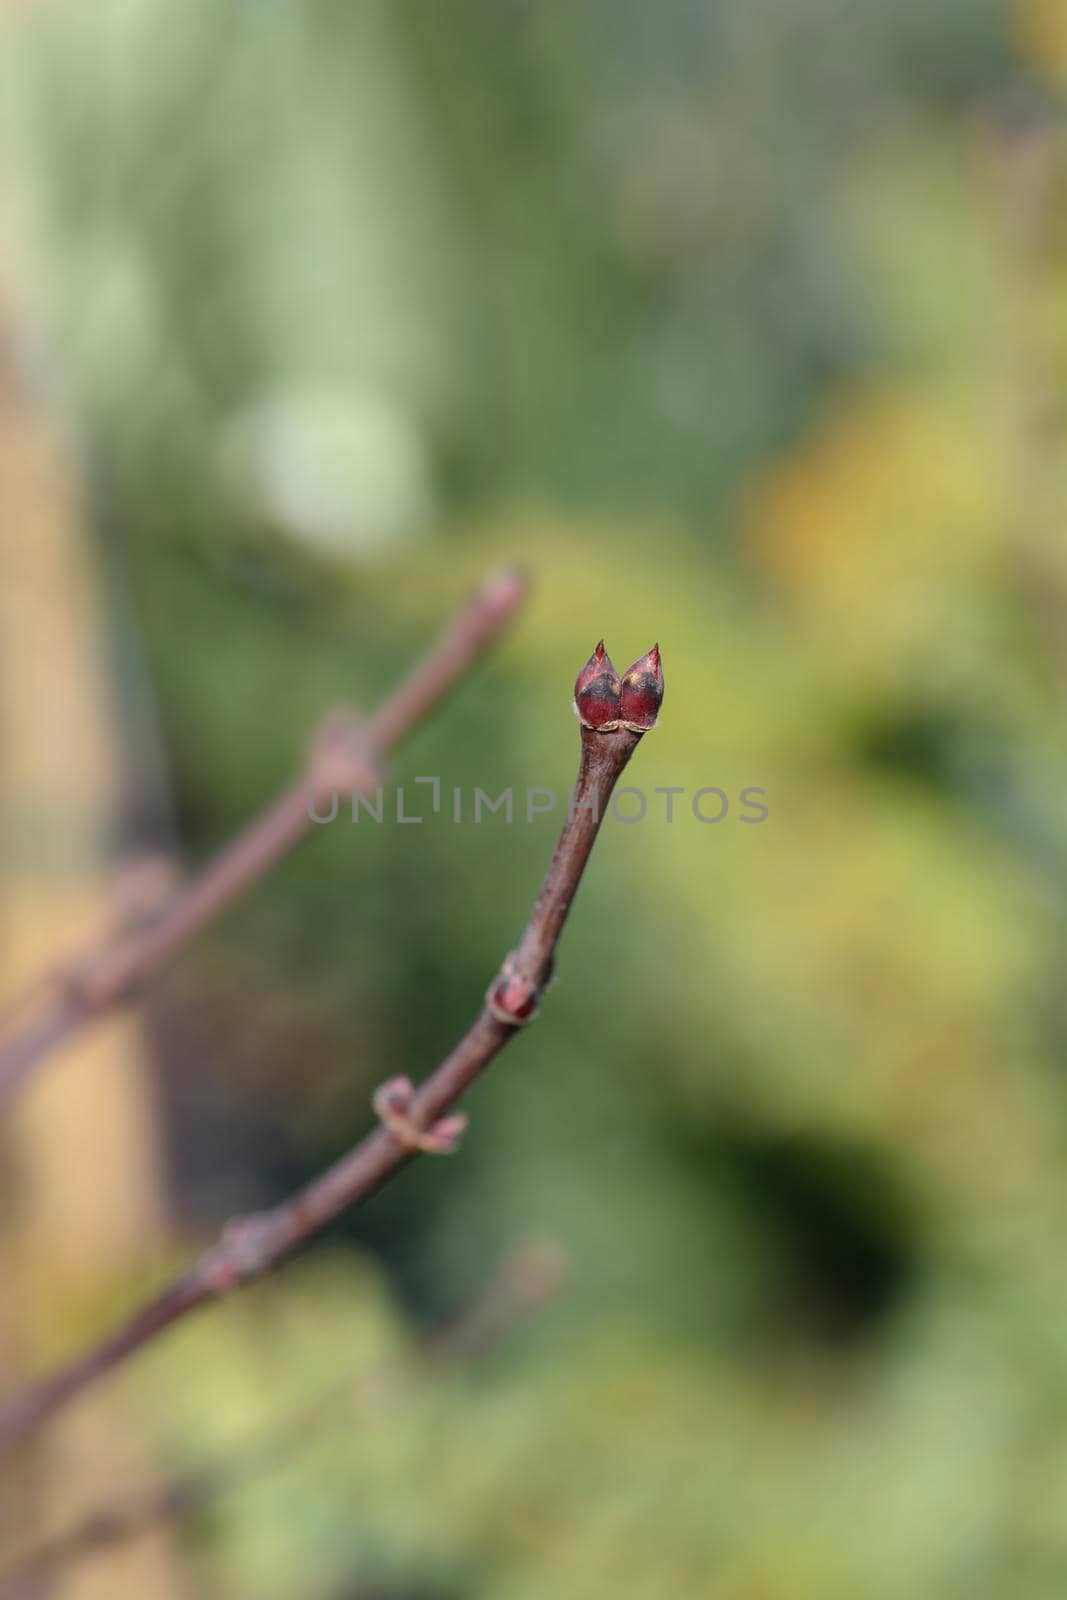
<point x="599" y="661"/>
<point x="651" y="663"/>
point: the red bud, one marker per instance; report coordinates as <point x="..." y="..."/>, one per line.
<point x="597" y="692"/>
<point x="512" y="998"/>
<point x="642" y="693"/>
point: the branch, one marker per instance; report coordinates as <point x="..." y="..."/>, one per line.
<point x="530" y="1277"/>
<point x="345" y="757"/>
<point x="411" y="1120"/>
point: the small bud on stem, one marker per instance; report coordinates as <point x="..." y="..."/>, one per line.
<point x="512" y="998"/>
<point x="393" y="1103"/>
<point x="597" y="693"/>
<point x="642" y="693"/>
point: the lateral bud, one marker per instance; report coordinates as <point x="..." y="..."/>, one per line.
<point x="642" y="693"/>
<point x="512" y="998"/>
<point x="392" y="1102"/>
<point x="597" y="693"/>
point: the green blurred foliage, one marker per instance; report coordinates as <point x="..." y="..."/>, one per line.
<point x="741" y="325"/>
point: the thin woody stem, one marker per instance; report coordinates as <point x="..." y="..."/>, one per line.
<point x="526" y="1281"/>
<point x="345" y="757"/>
<point x="604" y="755"/>
<point x="251" y="1246"/>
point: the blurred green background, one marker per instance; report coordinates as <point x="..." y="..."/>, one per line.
<point x="742" y="324"/>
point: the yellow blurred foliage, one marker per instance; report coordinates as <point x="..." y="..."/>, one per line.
<point x="1039" y="29"/>
<point x="895" y="488"/>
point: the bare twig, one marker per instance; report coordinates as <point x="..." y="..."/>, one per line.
<point x="526" y="1281"/>
<point x="345" y="757"/>
<point x="250" y="1246"/>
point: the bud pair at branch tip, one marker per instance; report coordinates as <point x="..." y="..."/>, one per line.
<point x="604" y="701"/>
